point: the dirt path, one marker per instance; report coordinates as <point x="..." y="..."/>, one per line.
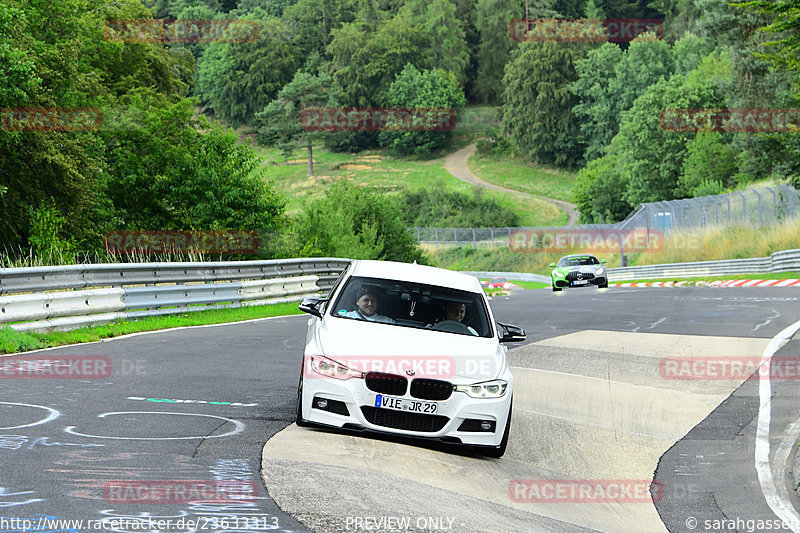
<point x="456" y="164"/>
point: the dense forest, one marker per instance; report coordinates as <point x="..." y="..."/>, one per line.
<point x="164" y="155"/>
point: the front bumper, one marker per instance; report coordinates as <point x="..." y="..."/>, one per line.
<point x="563" y="283"/>
<point x="447" y="424"/>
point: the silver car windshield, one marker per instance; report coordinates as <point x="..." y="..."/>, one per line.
<point x="413" y="305"/>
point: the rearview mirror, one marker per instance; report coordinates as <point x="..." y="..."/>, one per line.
<point x="312" y="306"/>
<point x="604" y="261"/>
<point x="552" y="265"/>
<point x="511" y="333"/>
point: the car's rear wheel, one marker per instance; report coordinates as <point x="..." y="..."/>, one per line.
<point x="499" y="451"/>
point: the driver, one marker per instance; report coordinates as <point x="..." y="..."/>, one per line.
<point x="367" y="306"/>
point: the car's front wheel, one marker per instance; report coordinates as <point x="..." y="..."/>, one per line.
<point x="499" y="451"/>
<point x="298" y="417"/>
<point x="604" y="285"/>
<point x="556" y="289"/>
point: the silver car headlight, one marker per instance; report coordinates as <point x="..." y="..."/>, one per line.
<point x="487" y="389"/>
<point x="600" y="270"/>
<point x="331" y="369"/>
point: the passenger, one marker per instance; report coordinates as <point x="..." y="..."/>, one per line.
<point x="456" y="311"/>
<point x="367" y="304"/>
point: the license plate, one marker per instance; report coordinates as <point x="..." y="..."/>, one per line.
<point x="580" y="282"/>
<point x="402" y="404"/>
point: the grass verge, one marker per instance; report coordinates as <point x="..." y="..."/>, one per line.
<point x="524" y="176"/>
<point x="12" y="341"/>
<point x="383" y="170"/>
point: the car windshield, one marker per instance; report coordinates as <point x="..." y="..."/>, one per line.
<point x="413" y="305"/>
<point x="578" y="261"/>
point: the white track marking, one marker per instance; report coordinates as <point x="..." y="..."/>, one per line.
<point x="782" y="509"/>
<point x="52" y="416"/>
<point x="239" y="426"/>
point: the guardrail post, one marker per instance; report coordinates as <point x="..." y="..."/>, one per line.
<point x="474" y="244"/>
<point x="492" y="233"/>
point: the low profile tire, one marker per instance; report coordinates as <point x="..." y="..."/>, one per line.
<point x="556" y="289"/>
<point x="498" y="451"/>
<point x="603" y="286"/>
<point x="298" y="417"/>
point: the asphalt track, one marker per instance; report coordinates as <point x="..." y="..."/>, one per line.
<point x="592" y="402"/>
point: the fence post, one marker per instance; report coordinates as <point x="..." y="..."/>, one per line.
<point x="492" y="233"/>
<point x="744" y="206"/>
<point x="760" y="217"/>
<point x="474" y="244"/>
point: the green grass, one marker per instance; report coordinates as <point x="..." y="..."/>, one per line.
<point x="12" y="341"/>
<point x="521" y="175"/>
<point x="384" y="170"/>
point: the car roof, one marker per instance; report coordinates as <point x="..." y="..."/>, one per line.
<point x="577" y="255"/>
<point x="414" y="272"/>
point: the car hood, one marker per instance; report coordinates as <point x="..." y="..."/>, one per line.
<point x="370" y="346"/>
<point x="581" y="268"/>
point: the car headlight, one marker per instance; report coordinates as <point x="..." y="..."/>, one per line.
<point x="488" y="389"/>
<point x="559" y="274"/>
<point x="600" y="270"/>
<point x="331" y="369"/>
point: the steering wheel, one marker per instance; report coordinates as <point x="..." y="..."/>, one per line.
<point x="453" y="326"/>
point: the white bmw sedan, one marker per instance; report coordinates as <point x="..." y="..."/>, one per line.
<point x="410" y="350"/>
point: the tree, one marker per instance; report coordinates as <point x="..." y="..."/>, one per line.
<point x="708" y="157"/>
<point x="652" y="155"/>
<point x="492" y="20"/>
<point x="447" y="45"/>
<point x="178" y="172"/>
<point x="599" y="190"/>
<point x="428" y="89"/>
<point x="598" y="107"/>
<point x="239" y="79"/>
<point x="281" y="118"/>
<point x="537" y="110"/>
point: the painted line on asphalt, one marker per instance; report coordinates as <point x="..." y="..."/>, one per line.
<point x="780" y="506"/>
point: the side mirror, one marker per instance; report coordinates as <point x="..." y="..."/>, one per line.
<point x="603" y="261"/>
<point x="312" y="306"/>
<point x="552" y="265"/>
<point x="511" y="333"/>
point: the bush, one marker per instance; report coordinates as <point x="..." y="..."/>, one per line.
<point x="437" y="207"/>
<point x="357" y="223"/>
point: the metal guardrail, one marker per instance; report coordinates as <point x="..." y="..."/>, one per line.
<point x="66" y="297"/>
<point x="785" y="261"/>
